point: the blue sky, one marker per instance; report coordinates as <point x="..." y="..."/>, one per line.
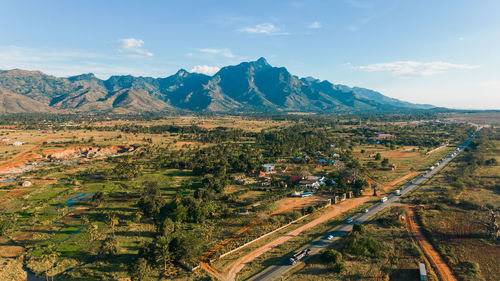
<point x="446" y="52"/>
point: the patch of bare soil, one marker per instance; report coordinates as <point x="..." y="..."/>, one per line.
<point x="10" y="251"/>
<point x="294" y="203"/>
<point x="437" y="261"/>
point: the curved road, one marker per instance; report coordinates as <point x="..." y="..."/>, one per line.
<point x="284" y="266"/>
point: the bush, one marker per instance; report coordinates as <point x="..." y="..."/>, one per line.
<point x="491" y="162"/>
<point x="311" y="209"/>
<point x="337" y="267"/>
<point x="331" y="256"/>
<point x="469" y="270"/>
<point x="294" y="215"/>
<point x="358" y="245"/>
<point x="7" y="224"/>
<point x="358" y="228"/>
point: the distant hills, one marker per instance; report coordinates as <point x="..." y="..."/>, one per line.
<point x="252" y="86"/>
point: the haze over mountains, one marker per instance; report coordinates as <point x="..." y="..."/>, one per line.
<point x="247" y="87"/>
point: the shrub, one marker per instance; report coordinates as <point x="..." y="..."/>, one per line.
<point x="358" y="228"/>
<point x="311" y="209"/>
<point x="358" y="245"/>
<point x="469" y="270"/>
<point x="331" y="256"/>
<point x="337" y="267"/>
<point x="491" y="162"/>
<point x="294" y="215"/>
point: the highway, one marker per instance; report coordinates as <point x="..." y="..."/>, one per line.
<point x="274" y="272"/>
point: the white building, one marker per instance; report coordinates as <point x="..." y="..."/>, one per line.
<point x="269" y="167"/>
<point x="26" y="184"/>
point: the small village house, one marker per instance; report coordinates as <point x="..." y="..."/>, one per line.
<point x="269" y="168"/>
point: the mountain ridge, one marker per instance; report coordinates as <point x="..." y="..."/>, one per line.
<point x="253" y="86"/>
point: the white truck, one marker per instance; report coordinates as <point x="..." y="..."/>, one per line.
<point x="397" y="192"/>
<point x="383" y="199"/>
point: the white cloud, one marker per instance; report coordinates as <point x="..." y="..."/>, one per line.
<point x="315" y="25"/>
<point x="263" y="28"/>
<point x="205" y="69"/>
<point x="223" y="52"/>
<point x="414" y="68"/>
<point x="461" y="38"/>
<point x="133" y="47"/>
<point x="67" y="62"/>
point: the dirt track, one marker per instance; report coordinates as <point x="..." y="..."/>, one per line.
<point x="333" y="211"/>
<point x="438" y="263"/>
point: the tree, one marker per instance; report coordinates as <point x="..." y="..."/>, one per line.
<point x="384" y="162"/>
<point x="334" y="260"/>
<point x="63" y="208"/>
<point x="139" y="270"/>
<point x="93" y="230"/>
<point x="108" y="247"/>
<point x="112" y="220"/>
<point x="98" y="198"/>
<point x="7" y="224"/>
<point x="375" y="188"/>
<point x="167" y="227"/>
<point x="125" y="170"/>
<point x="358" y="228"/>
<point x="151" y="201"/>
<point x="378" y="156"/>
<point x="163" y="250"/>
<point x="179" y="213"/>
<point x="49" y="256"/>
<point x="331" y="256"/>
<point x="185" y="246"/>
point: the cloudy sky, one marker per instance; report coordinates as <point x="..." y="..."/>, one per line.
<point x="445" y="53"/>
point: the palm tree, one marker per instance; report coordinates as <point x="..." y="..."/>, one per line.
<point x="49" y="256"/>
<point x="162" y="245"/>
<point x="112" y="220"/>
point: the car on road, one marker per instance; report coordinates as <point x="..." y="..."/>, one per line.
<point x="329" y="237"/>
<point x="349" y="220"/>
<point x="365" y="211"/>
<point x="383" y="199"/>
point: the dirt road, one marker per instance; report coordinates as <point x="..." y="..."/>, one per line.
<point x="332" y="211"/>
<point x="438" y="263"/>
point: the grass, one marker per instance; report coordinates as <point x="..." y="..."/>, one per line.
<point x="454" y="220"/>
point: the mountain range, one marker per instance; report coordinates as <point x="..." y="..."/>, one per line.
<point x="252" y="86"/>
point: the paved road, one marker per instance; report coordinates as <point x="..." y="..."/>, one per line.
<point x="275" y="271"/>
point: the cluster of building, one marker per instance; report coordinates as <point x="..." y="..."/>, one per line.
<point x="16" y="143"/>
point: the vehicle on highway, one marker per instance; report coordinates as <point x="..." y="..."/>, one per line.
<point x="365" y="211"/>
<point x="349" y="220"/>
<point x="397" y="192"/>
<point x="383" y="199"/>
<point x="329" y="237"/>
<point x="299" y="256"/>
